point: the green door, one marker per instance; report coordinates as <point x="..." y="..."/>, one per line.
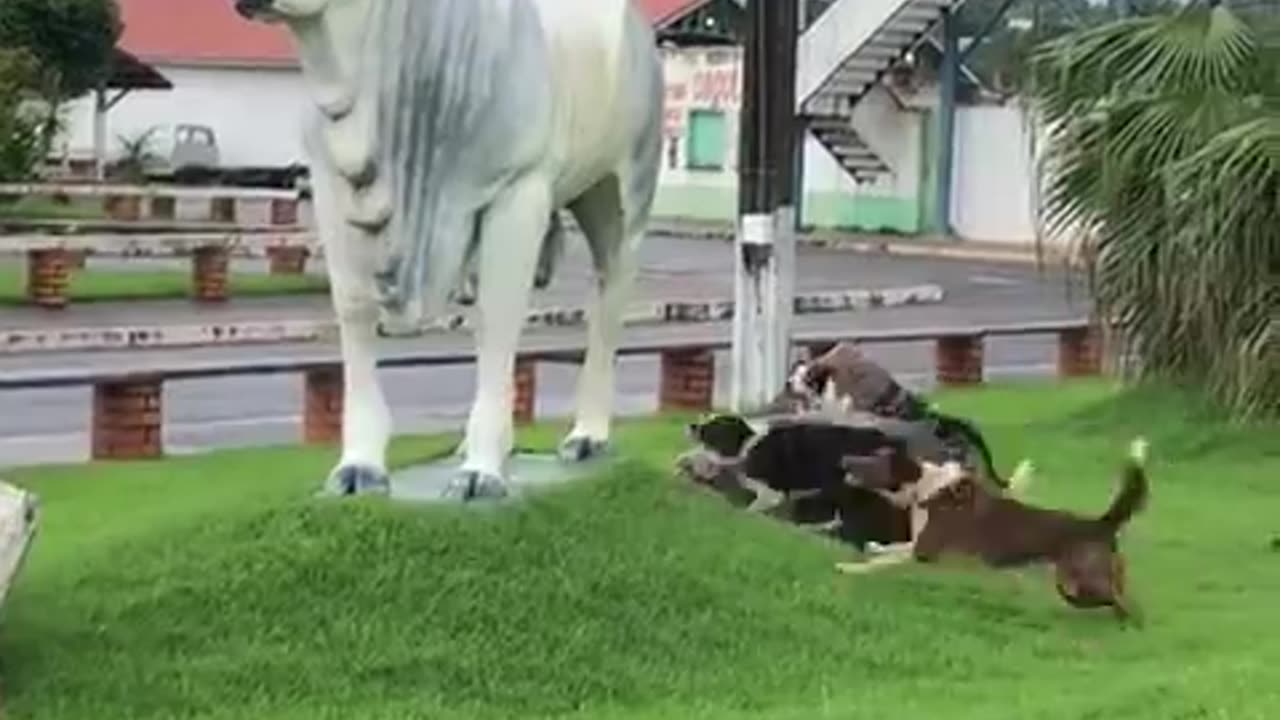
<point x="707" y="144"/>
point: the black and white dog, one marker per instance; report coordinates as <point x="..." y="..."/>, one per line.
<point x="798" y="469"/>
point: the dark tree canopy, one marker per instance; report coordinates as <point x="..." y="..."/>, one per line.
<point x="1001" y="57"/>
<point x="20" y="141"/>
<point x="1162" y="169"/>
<point x="72" y="40"/>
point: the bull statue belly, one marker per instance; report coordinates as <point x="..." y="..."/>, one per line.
<point x="448" y="133"/>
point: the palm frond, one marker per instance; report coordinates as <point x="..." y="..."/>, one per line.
<point x="1164" y="148"/>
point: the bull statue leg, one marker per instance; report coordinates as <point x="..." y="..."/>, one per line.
<point x="613" y="214"/>
<point x="351" y="258"/>
<point x="614" y="227"/>
<point x="511" y="233"/>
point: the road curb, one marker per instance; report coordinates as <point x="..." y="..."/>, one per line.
<point x="208" y="334"/>
<point x="872" y="244"/>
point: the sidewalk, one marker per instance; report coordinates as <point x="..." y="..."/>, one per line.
<point x="924" y="246"/>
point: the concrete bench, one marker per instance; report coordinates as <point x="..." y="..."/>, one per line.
<point x="207" y="222"/>
<point x="52" y="257"/>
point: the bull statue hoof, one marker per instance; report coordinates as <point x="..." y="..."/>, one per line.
<point x="583" y="449"/>
<point x="472" y="485"/>
<point x="357" y="480"/>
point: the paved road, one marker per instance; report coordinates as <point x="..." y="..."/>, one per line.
<point x="51" y="425"/>
<point x="672" y="268"/>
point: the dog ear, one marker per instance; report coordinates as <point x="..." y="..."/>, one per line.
<point x="816" y="376"/>
<point x="797" y="377"/>
<point x="955" y="496"/>
<point x="694" y="429"/>
<point x="691" y="431"/>
<point x="960" y="494"/>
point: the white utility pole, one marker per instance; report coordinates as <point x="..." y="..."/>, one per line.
<point x="764" y="257"/>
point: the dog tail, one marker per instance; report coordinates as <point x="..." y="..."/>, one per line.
<point x="1133" y="493"/>
<point x="1020" y="480"/>
<point x="950" y="424"/>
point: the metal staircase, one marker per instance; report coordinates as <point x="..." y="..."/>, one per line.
<point x="842" y="54"/>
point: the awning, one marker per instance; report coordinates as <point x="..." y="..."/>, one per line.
<point x="130" y="73"/>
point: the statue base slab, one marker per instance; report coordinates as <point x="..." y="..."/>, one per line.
<point x="526" y="473"/>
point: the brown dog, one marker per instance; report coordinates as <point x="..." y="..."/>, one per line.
<point x="851" y="381"/>
<point x="874" y="474"/>
<point x="965" y="518"/>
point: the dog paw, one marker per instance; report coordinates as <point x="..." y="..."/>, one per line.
<point x="357" y="480"/>
<point x="696" y="466"/>
<point x="1129" y="614"/>
<point x="1138" y="450"/>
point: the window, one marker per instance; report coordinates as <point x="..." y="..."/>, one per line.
<point x="706" y="149"/>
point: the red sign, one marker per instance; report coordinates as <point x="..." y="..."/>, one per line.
<point x="717" y="86"/>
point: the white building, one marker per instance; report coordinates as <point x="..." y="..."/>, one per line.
<point x="242" y="80"/>
<point x="239" y="78"/>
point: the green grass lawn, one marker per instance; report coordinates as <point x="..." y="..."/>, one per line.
<point x="44" y="208"/>
<point x="93" y="285"/>
<point x="217" y="587"/>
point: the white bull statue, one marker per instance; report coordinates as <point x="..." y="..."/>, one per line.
<point x="446" y="132"/>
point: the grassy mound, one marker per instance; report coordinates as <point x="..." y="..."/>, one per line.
<point x="216" y="587"/>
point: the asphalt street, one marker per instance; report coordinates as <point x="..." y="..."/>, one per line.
<point x="51" y="425"/>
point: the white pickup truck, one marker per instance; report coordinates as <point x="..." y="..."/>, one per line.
<point x="188" y="154"/>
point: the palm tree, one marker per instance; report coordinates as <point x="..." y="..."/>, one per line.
<point x="1163" y="164"/>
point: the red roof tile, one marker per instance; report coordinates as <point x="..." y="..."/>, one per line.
<point x="200" y="31"/>
<point x="210" y="31"/>
<point x="662" y="12"/>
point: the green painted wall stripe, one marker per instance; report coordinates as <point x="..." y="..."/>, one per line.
<point x="828" y="210"/>
<point x="696" y="202"/>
